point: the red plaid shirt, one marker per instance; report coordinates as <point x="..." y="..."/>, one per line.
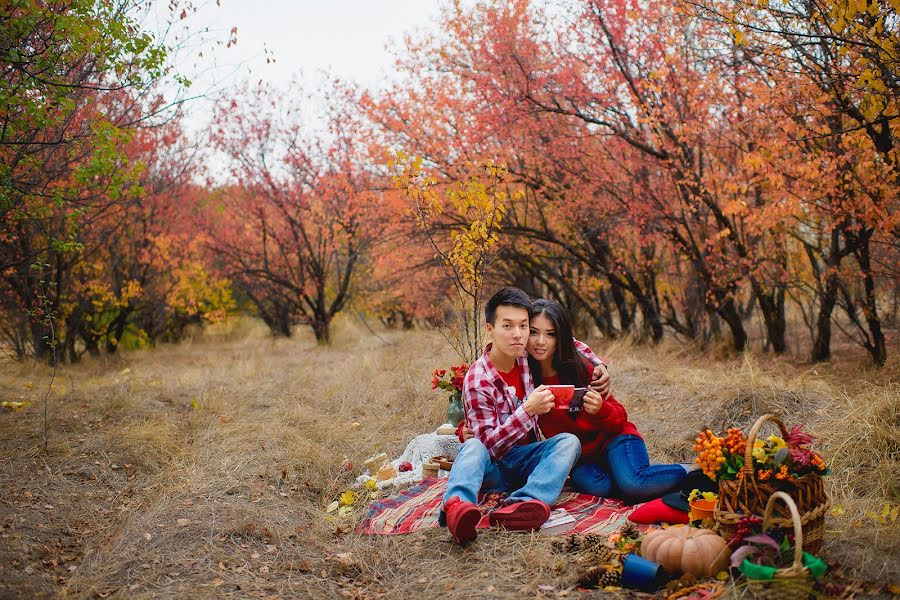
<point x="493" y="412"/>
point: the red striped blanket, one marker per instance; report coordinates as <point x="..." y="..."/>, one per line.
<point x="418" y="507"/>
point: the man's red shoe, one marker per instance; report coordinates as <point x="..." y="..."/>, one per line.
<point x="521" y="516"/>
<point x="462" y="518"/>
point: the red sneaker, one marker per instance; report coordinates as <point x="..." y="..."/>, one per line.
<point x="521" y="516"/>
<point x="462" y="518"/>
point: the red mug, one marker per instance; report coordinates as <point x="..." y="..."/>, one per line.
<point x="562" y="395"/>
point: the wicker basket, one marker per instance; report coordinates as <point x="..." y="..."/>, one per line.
<point x="745" y="496"/>
<point x="794" y="582"/>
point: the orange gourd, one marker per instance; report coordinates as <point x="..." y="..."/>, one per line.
<point x="686" y="549"/>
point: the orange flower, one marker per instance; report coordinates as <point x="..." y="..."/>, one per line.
<point x="764" y="474"/>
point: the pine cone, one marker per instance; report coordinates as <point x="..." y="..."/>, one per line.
<point x="599" y="555"/>
<point x="593" y="539"/>
<point x="591" y="577"/>
<point x="611" y="577"/>
<point x="567" y="544"/>
<point x="631" y="531"/>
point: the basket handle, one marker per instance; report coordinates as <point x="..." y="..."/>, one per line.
<point x="795" y="517"/>
<point x="751" y="438"/>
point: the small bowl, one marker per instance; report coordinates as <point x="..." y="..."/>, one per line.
<point x="702" y="508"/>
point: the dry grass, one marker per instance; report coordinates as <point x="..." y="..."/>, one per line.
<point x="203" y="470"/>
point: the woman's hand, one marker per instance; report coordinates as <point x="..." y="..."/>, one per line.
<point x="600" y="380"/>
<point x="539" y="402"/>
<point x="592" y="401"/>
<point x="467" y="434"/>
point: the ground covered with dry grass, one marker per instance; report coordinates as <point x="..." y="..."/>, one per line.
<point x="204" y="469"/>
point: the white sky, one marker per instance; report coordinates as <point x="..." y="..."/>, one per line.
<point x="349" y="37"/>
<point x="305" y="37"/>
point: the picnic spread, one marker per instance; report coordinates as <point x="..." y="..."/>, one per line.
<point x="753" y="511"/>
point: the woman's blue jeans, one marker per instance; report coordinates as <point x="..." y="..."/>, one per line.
<point x="534" y="471"/>
<point x="625" y="472"/>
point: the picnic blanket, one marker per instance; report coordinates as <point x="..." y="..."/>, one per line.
<point x="418" y="507"/>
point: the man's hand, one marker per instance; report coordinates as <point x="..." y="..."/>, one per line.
<point x="593" y="401"/>
<point x="600" y="380"/>
<point x="539" y="402"/>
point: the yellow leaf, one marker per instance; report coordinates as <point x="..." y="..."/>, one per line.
<point x="739" y="37"/>
<point x="195" y="404"/>
<point x="14" y="406"/>
<point x="348" y="498"/>
<point x="837" y="510"/>
<point x="722" y="576"/>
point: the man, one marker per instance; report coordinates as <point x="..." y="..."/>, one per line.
<point x="505" y="455"/>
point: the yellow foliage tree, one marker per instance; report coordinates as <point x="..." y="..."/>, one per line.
<point x="461" y="221"/>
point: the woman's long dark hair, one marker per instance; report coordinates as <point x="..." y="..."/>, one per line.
<point x="568" y="363"/>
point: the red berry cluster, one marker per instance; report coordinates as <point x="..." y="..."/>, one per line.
<point x="744" y="528"/>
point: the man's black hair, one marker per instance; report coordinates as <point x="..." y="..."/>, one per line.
<point x="508" y="296"/>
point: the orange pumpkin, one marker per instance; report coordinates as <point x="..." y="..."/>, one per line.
<point x="686" y="549"/>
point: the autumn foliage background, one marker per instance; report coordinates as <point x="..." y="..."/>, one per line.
<point x="707" y="175"/>
<point x="679" y="170"/>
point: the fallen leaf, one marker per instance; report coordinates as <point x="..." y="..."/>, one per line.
<point x="183" y="522"/>
<point x="255" y="555"/>
<point x="271" y="548"/>
<point x="264" y="569"/>
<point x="217" y="582"/>
<point x="147" y="536"/>
<point x="333" y="506"/>
<point x="837" y="510"/>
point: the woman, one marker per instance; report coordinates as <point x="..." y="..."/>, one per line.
<point x="614" y="460"/>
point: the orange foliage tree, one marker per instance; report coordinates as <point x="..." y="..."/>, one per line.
<point x="303" y="210"/>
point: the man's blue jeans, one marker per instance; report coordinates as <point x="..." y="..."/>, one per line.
<point x="534" y="471"/>
<point x="625" y="472"/>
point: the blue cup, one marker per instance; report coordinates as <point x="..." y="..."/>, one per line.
<point x="640" y="574"/>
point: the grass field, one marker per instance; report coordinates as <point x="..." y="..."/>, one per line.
<point x="204" y="469"/>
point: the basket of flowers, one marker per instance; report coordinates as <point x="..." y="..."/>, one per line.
<point x="750" y="469"/>
<point x="774" y="562"/>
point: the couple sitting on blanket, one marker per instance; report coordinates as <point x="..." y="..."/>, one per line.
<point x="506" y="398"/>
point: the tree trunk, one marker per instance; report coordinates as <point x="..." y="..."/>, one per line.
<point x="322" y="330"/>
<point x="771" y="303"/>
<point x="729" y="313"/>
<point x="876" y="347"/>
<point x="821" y="350"/>
<point x="118" y="330"/>
<point x="626" y="320"/>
